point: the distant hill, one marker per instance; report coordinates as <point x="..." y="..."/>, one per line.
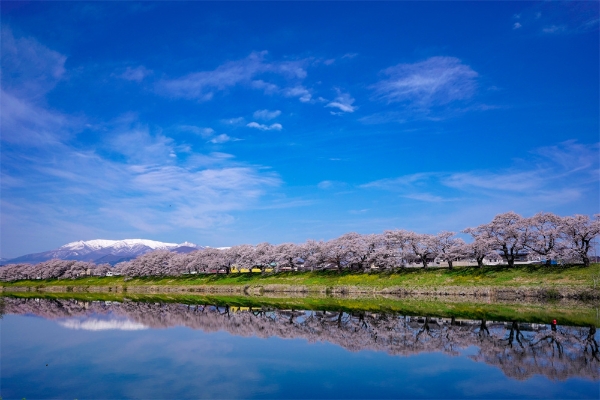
<point x="101" y="251"/>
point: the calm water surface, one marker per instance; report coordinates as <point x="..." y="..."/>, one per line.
<point x="74" y="349"/>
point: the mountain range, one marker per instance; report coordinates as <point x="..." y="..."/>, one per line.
<point x="101" y="251"/>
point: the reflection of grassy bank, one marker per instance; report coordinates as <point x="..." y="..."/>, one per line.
<point x="496" y="276"/>
<point x="575" y="314"/>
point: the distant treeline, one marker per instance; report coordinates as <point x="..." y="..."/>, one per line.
<point x="508" y="238"/>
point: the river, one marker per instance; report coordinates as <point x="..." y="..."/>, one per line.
<point x="68" y="348"/>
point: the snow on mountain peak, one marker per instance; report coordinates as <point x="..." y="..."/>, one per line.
<point x="97" y="244"/>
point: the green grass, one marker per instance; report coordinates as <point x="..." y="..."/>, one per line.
<point x="574" y="315"/>
<point x="495" y="276"/>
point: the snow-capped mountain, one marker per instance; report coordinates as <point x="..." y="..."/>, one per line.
<point x="105" y="251"/>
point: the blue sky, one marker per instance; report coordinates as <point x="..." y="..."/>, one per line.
<point x="226" y="123"/>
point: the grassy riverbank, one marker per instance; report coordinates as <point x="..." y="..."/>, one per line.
<point x="530" y="276"/>
<point x="570" y="313"/>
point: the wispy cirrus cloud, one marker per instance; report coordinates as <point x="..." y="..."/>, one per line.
<point x="208" y="133"/>
<point x="299" y="91"/>
<point x="29" y="69"/>
<point x="561" y="173"/>
<point x="331" y="185"/>
<point x="325" y="184"/>
<point x="223" y="138"/>
<point x="204" y="132"/>
<point x="266" y="115"/>
<point x="405" y="181"/>
<point x="26" y="123"/>
<point x="150" y="191"/>
<point x="435" y="81"/>
<point x="263" y="127"/>
<point x="136" y="74"/>
<point x="343" y="102"/>
<point x="253" y="71"/>
<point x="558" y="18"/>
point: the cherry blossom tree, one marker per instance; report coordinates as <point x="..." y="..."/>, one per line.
<point x="312" y="253"/>
<point x="341" y="251"/>
<point x="507" y="233"/>
<point x="449" y="247"/>
<point x="578" y="233"/>
<point x="544" y="235"/>
<point x="479" y="249"/>
<point x="242" y="256"/>
<point x="286" y="254"/>
<point x="265" y="256"/>
<point x="394" y="252"/>
<point x="422" y="247"/>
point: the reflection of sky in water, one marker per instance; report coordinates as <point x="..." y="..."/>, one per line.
<point x="109" y="356"/>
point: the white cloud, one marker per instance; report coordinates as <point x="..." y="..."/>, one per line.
<point x="400" y="182"/>
<point x="29" y="69"/>
<point x="325" y="184"/>
<point x="234" y="121"/>
<point x="203" y="85"/>
<point x="517" y="25"/>
<point x="263" y="127"/>
<point x="267" y="87"/>
<point x="266" y="115"/>
<point x="343" y="102"/>
<point x="329" y="185"/>
<point x="554" y="29"/>
<point x="560" y="17"/>
<point x="561" y="173"/>
<point x="135" y="74"/>
<point x="204" y="132"/>
<point x="222" y="138"/>
<point x="27" y="124"/>
<point x="435" y="81"/>
<point x="506" y="181"/>
<point x="427" y="197"/>
<point x="298" y="91"/>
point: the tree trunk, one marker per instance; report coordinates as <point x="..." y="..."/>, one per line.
<point x="586" y="260"/>
<point x="479" y="261"/>
<point x="510" y="259"/>
<point x="450" y="264"/>
<point x="548" y="262"/>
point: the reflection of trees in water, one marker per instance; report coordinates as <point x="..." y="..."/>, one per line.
<point x="519" y="350"/>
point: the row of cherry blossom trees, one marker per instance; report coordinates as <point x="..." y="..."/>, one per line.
<point x="545" y="235"/>
<point x="506" y="239"/>
<point x="53" y="269"/>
